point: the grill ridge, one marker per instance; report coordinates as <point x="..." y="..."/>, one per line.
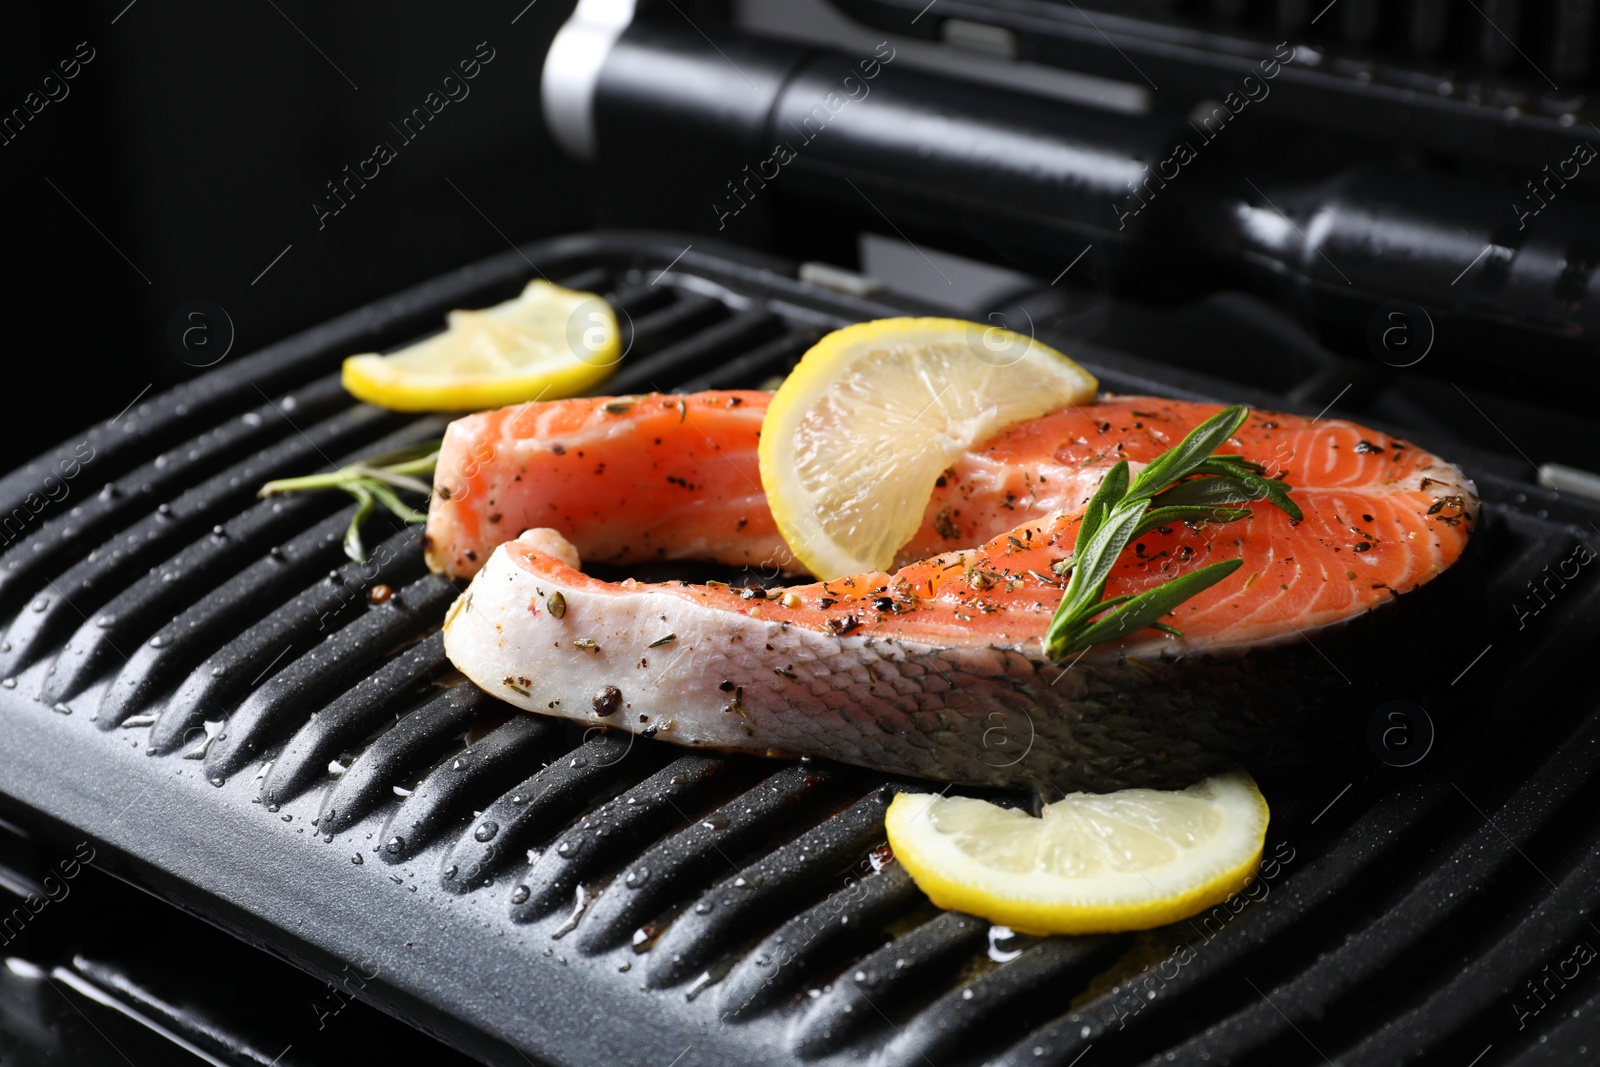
<point x="420" y="737"/>
<point x="328" y="605"/>
<point x="84" y="586"/>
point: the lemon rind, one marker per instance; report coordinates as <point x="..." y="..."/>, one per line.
<point x="808" y="382"/>
<point x="955" y="882"/>
<point x="376" y="380"/>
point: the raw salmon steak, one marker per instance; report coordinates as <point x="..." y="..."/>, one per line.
<point x="663" y="477"/>
<point x="938" y="670"/>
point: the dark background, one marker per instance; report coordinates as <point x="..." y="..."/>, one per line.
<point x="184" y="163"/>
<point x="187" y="155"/>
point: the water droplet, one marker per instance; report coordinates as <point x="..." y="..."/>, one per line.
<point x="42" y="603"/>
<point x="105" y="622"/>
<point x="158" y="641"/>
<point x="637" y="877"/>
<point x="704" y="907"/>
<point x="715" y="822"/>
<point x="696" y="986"/>
<point x="521" y="894"/>
<point x="357" y="859"/>
<point x="450" y="872"/>
<point x="625" y="966"/>
<point x="219" y="782"/>
<point x="394" y="845"/>
<point x="456" y="765"/>
<point x="579" y="761"/>
<point x="966" y="994"/>
<point x="9" y="683"/>
<point x="164" y="510"/>
<point x="62" y="709"/>
<point x="287" y="818"/>
<point x="486" y="831"/>
<point x="569" y="848"/>
<point x="218" y="531"/>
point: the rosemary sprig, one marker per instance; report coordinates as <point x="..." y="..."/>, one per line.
<point x="1190" y="482"/>
<point x="374" y="481"/>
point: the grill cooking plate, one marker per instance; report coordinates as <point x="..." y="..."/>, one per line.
<point x="201" y="684"/>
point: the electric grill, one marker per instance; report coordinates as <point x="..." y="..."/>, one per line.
<point x="260" y="733"/>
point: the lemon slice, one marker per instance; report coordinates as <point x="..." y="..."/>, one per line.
<point x="1094" y="863"/>
<point x="858" y="434"/>
<point x="545" y="344"/>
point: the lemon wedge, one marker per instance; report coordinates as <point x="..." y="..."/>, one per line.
<point x="857" y="435"/>
<point x="545" y="344"/>
<point x="1094" y="863"/>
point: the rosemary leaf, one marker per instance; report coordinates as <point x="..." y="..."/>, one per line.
<point x="1270" y="489"/>
<point x="390" y="500"/>
<point x="1190" y="482"/>
<point x="1140" y="611"/>
<point x="1157" y="517"/>
<point x="372" y="482"/>
<point x="1183" y="458"/>
<point x="353" y="547"/>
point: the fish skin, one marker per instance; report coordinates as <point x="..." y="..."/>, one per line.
<point x="949" y="680"/>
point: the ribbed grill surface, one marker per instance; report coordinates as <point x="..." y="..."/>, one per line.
<point x="756" y="899"/>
